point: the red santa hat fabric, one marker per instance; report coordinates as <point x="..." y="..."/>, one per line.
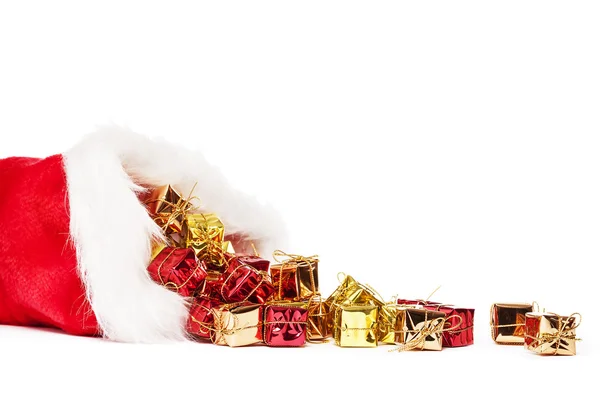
<point x="76" y="238"/>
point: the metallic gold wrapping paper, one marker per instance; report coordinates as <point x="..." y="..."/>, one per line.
<point x="237" y="325"/>
<point x="296" y="278"/>
<point x="420" y="329"/>
<point x="204" y="234"/>
<point x="167" y="208"/>
<point x="550" y="334"/>
<point x="350" y="292"/>
<point x="389" y="324"/>
<point x="319" y="325"/>
<point x="356" y="326"/>
<point x="507" y="321"/>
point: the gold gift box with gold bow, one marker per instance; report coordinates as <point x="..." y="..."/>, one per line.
<point x="551" y="334"/>
<point x="356" y="325"/>
<point x="167" y="208"/>
<point x="420" y="329"/>
<point x="295" y="277"/>
<point x="237" y="325"/>
<point x="204" y="234"/>
<point x="507" y="322"/>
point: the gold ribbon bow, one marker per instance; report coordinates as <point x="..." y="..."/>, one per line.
<point x="427" y="330"/>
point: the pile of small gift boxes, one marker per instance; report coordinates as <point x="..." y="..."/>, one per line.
<point x="541" y="332"/>
<point x="241" y="299"/>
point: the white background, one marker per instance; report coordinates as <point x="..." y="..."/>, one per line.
<point x="409" y="144"/>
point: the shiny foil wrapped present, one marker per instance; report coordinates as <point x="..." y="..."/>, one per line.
<point x="167" y="208"/>
<point x="204" y="234"/>
<point x="420" y="329"/>
<point x="551" y="334"/>
<point x="319" y="320"/>
<point x="507" y="321"/>
<point x="237" y="325"/>
<point x="178" y="270"/>
<point x="355" y="325"/>
<point x="295" y="277"/>
<point x="285" y="324"/>
<point x="459" y="319"/>
<point x="246" y="283"/>
<point x="388" y="323"/>
<point x="200" y="321"/>
<point x="350" y="292"/>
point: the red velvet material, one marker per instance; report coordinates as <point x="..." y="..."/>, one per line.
<point x="39" y="283"/>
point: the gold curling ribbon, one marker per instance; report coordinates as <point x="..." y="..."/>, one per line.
<point x="563" y="333"/>
<point x="294" y="258"/>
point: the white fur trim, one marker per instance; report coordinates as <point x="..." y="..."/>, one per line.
<point x="111" y="230"/>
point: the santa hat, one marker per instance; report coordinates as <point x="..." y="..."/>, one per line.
<point x="76" y="238"/>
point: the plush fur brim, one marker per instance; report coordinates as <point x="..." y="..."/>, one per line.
<point x="112" y="230"/>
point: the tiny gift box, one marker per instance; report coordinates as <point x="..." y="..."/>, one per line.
<point x="461" y="332"/>
<point x="246" y="283"/>
<point x="167" y="208"/>
<point x="551" y="334"/>
<point x="178" y="270"/>
<point x="420" y="329"/>
<point x="356" y="325"/>
<point x="237" y="325"/>
<point x="204" y="234"/>
<point x="507" y="322"/>
<point x="295" y="277"/>
<point x="285" y="324"/>
<point x="201" y="318"/>
<point x="319" y="324"/>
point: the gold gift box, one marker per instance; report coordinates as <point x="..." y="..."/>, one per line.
<point x="356" y="326"/>
<point x="550" y="334"/>
<point x="296" y="279"/>
<point x="238" y="325"/>
<point x="389" y="324"/>
<point x="204" y="234"/>
<point x="164" y="204"/>
<point x="319" y="326"/>
<point x="507" y="321"/>
<point x="420" y="329"/>
<point x="350" y="292"/>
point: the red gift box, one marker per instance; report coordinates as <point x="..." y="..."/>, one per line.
<point x="201" y="317"/>
<point x="458" y="329"/>
<point x="285" y="325"/>
<point x="244" y="281"/>
<point x="254" y="261"/>
<point x="178" y="270"/>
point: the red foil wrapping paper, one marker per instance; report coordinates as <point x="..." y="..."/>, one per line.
<point x="260" y="264"/>
<point x="177" y="270"/>
<point x="246" y="283"/>
<point x="285" y="325"/>
<point x="458" y="336"/>
<point x="200" y="321"/>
